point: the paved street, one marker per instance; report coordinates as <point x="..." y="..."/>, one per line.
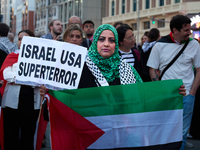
<point x="195" y="142"/>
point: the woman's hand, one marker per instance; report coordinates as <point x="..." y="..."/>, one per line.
<point x="43" y="90"/>
<point x="182" y="90"/>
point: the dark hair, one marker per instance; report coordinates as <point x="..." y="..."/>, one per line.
<point x="153" y="35"/>
<point x="29" y="32"/>
<point x="88" y="21"/>
<point x="4" y="29"/>
<point x="178" y="22"/>
<point x="51" y="23"/>
<point x="146" y="33"/>
<point x="122" y="31"/>
<point x="117" y="23"/>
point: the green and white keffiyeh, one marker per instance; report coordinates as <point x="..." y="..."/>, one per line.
<point x="109" y="67"/>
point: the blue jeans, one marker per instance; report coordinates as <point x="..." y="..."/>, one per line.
<point x="188" y="105"/>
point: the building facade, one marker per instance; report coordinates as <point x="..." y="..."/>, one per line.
<point x="37" y="14"/>
<point x="6" y="11"/>
<point x="48" y="10"/>
<point x="126" y="11"/>
<point x="18" y="15"/>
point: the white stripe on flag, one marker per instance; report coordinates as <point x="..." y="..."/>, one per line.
<point x="139" y="129"/>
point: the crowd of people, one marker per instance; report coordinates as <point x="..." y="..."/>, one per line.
<point x="113" y="58"/>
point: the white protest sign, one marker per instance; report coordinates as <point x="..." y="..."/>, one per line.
<point x="57" y="65"/>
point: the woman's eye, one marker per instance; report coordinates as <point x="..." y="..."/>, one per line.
<point x="78" y="37"/>
<point x="111" y="40"/>
<point x="101" y="39"/>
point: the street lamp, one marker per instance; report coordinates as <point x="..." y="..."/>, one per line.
<point x="159" y="20"/>
<point x="138" y="20"/>
<point x="153" y="20"/>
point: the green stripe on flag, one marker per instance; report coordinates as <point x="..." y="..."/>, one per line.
<point x="123" y="99"/>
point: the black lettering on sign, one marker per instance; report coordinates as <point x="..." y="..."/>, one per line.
<point x="23" y="47"/>
<point x="53" y="55"/>
<point x="67" y="77"/>
<point x="71" y="59"/>
<point x="62" y="58"/>
<point x="42" y="53"/>
<point x="48" y="57"/>
<point x="51" y="73"/>
<point x="37" y="70"/>
<point x="73" y="79"/>
<point x="28" y="51"/>
<point x="20" y="68"/>
<point x="48" y="67"/>
<point x="56" y="73"/>
<point x="35" y="52"/>
<point x="26" y="68"/>
<point x="62" y="74"/>
<point x="42" y="72"/>
<point x="32" y="68"/>
<point x="78" y="61"/>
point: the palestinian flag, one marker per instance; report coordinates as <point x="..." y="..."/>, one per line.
<point x="135" y="116"/>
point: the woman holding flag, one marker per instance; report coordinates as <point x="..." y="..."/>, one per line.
<point x="103" y="67"/>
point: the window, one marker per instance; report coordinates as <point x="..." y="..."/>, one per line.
<point x="134" y="5"/>
<point x="161" y="23"/>
<point x="77" y="7"/>
<point x="54" y="11"/>
<point x="50" y="12"/>
<point x="44" y="13"/>
<point x="176" y="1"/>
<point x="66" y="11"/>
<point x="41" y="14"/>
<point x="147" y="25"/>
<point x="161" y="2"/>
<point x="123" y="6"/>
<point x="113" y="8"/>
<point x="147" y="4"/>
<point x="70" y="9"/>
<point x="134" y="26"/>
<point x="61" y="12"/>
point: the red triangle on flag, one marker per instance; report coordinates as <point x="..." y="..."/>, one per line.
<point x="69" y="130"/>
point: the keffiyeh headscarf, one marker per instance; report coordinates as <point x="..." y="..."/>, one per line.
<point x="7" y="46"/>
<point x="109" y="67"/>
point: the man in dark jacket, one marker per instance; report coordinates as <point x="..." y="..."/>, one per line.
<point x="55" y="30"/>
<point x="76" y="20"/>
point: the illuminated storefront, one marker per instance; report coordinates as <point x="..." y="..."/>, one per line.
<point x="195" y="24"/>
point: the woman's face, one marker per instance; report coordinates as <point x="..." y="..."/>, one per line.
<point x="144" y="39"/>
<point x="20" y="36"/>
<point x="129" y="39"/>
<point x="106" y="44"/>
<point x="74" y="37"/>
